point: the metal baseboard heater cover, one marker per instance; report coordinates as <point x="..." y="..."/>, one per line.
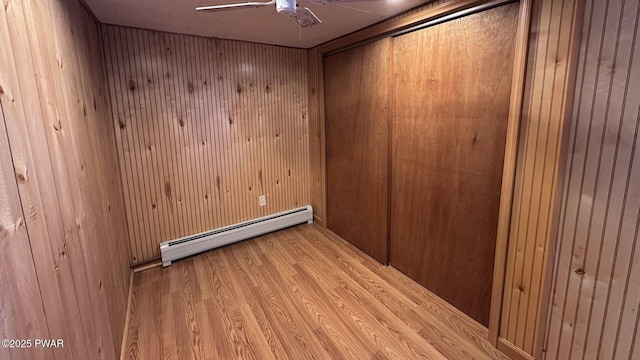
<point x="190" y="245"/>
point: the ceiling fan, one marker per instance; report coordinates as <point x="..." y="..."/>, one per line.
<point x="300" y="14"/>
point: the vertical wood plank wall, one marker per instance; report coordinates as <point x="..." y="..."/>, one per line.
<point x="548" y="90"/>
<point x="57" y="114"/>
<point x="22" y="305"/>
<point x="596" y="281"/>
<point x="203" y="128"/>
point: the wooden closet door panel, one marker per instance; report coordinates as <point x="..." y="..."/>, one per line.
<point x="356" y="84"/>
<point x="449" y="129"/>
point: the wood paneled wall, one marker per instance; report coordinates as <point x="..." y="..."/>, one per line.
<point x="596" y="280"/>
<point x="71" y="230"/>
<point x="203" y="128"/>
<point x="23" y="309"/>
<point x="545" y="114"/>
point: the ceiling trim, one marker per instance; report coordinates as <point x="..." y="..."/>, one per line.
<point x="398" y="23"/>
<point x="86" y="6"/>
<point x="202" y="36"/>
<point x="435" y="20"/>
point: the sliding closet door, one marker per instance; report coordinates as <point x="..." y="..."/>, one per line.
<point x="451" y="91"/>
<point x="356" y="84"/>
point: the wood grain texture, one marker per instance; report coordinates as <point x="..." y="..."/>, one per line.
<point x="297" y="294"/>
<point x="203" y="128"/>
<point x="22" y="303"/>
<point x="512" y="351"/>
<point x="596" y="278"/>
<point x="546" y="112"/>
<point x="316" y="135"/>
<point x="449" y="128"/>
<point x="509" y="168"/>
<point x="57" y="120"/>
<point x="431" y="9"/>
<point x="317" y="140"/>
<point x="356" y="88"/>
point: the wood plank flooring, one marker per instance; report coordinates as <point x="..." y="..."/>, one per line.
<point x="301" y="293"/>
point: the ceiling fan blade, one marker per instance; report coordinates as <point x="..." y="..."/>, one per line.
<point x="305" y="17"/>
<point x="246" y="5"/>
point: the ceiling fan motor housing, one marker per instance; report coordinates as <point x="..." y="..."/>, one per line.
<point x="286" y="6"/>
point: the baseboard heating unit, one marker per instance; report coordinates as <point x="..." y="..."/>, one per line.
<point x="190" y="245"/>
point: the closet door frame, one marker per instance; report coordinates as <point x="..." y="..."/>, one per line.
<point x="392" y="28"/>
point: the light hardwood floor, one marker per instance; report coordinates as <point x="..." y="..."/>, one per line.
<point x="301" y="293"/>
